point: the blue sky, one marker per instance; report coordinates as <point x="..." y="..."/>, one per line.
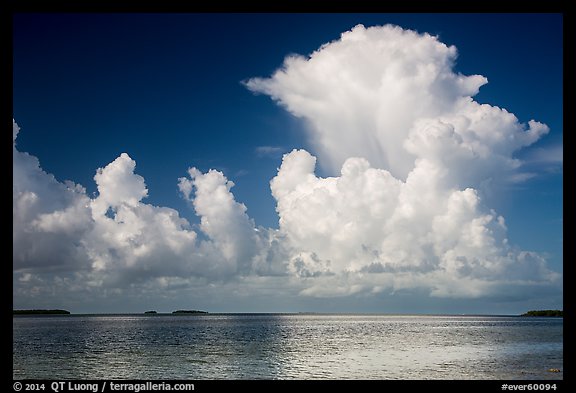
<point x="173" y="92"/>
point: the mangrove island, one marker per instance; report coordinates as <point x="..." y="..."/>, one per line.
<point x="544" y="313"/>
<point x="40" y="312"/>
<point x="189" y="312"/>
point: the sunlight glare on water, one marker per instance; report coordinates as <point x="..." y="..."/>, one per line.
<point x="286" y="346"/>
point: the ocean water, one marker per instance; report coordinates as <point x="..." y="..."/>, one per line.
<point x="287" y="346"/>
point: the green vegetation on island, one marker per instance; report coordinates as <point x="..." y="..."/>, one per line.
<point x="189" y="312"/>
<point x="544" y="313"/>
<point x="150" y="312"/>
<point x="40" y="312"/>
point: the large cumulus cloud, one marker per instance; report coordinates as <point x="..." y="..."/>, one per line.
<point x="115" y="240"/>
<point x="377" y="233"/>
<point x="414" y="152"/>
<point x="391" y="96"/>
<point x="409" y="151"/>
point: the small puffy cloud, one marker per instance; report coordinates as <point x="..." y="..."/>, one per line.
<point x="117" y="185"/>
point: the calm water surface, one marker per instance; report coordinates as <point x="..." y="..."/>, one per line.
<point x="300" y="346"/>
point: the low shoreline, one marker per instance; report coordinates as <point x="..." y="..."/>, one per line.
<point x="41" y="312"/>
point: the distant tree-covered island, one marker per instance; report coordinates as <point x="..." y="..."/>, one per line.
<point x="40" y="312"/>
<point x="150" y="312"/>
<point x="544" y="313"/>
<point x="189" y="312"/>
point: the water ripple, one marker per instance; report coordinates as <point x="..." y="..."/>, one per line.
<point x="286" y="347"/>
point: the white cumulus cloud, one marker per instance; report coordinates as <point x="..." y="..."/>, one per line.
<point x="416" y="233"/>
<point x="409" y="152"/>
<point x="391" y="96"/>
<point x="49" y="218"/>
<point x="385" y="109"/>
<point x="222" y="219"/>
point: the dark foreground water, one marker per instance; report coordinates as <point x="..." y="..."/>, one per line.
<point x="300" y="346"/>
